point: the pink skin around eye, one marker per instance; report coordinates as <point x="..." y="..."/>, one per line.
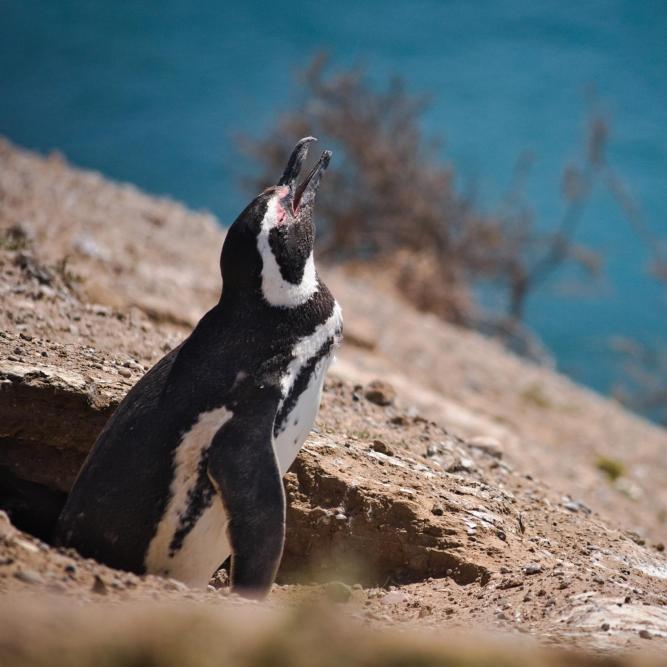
<point x="280" y="211"/>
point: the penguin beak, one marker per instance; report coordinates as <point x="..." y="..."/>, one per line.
<point x="302" y="197"/>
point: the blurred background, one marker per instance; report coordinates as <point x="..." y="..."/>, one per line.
<point x="504" y="163"/>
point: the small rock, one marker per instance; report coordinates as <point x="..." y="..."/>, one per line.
<point x="125" y="372"/>
<point x="70" y="568"/>
<point x="337" y="591"/>
<point x="432" y="450"/>
<point x="425" y="611"/>
<point x="25" y="336"/>
<point x="645" y="634"/>
<point x="636" y="538"/>
<point x="29" y="576"/>
<point x="437" y="511"/>
<point x="175" y="585"/>
<point x="6" y="528"/>
<point x="506" y="584"/>
<point x="24" y="544"/>
<point x="382" y="447"/>
<point x="659" y="546"/>
<point x="532" y="568"/>
<point x="380" y="393"/>
<point x="99" y="586"/>
<point x="575" y="506"/>
<point x="604" y="627"/>
<point x="490" y="446"/>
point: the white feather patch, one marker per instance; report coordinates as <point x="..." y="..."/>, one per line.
<point x="299" y="422"/>
<point x="276" y="290"/>
<point x="206" y="546"/>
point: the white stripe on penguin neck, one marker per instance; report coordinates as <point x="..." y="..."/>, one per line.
<point x="276" y="290"/>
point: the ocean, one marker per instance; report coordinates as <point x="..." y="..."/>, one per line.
<point x="157" y="94"/>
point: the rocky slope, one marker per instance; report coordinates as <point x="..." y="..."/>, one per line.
<point x="447" y="484"/>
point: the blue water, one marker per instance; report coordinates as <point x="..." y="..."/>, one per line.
<point x="155" y="92"/>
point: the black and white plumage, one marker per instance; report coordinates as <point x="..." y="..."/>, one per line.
<point x="189" y="468"/>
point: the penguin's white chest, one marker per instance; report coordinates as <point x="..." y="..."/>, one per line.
<point x="299" y="422"/>
<point x="302" y="388"/>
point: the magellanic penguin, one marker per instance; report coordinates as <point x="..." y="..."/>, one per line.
<point x="188" y="470"/>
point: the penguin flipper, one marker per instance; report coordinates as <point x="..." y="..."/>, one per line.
<point x="243" y="467"/>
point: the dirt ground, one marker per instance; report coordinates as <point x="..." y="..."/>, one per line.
<point x="448" y="486"/>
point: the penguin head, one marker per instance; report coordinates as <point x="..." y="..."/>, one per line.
<point x="270" y="245"/>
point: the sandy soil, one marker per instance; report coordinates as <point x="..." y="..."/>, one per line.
<point x="460" y="490"/>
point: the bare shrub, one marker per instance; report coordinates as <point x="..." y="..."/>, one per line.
<point x="391" y="208"/>
<point x="387" y="201"/>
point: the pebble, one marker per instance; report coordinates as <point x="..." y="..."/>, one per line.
<point x="125" y="372"/>
<point x="29" y="576"/>
<point x="382" y="447"/>
<point x="645" y="634"/>
<point x="424" y="612"/>
<point x="532" y="568"/>
<point x="175" y="585"/>
<point x="337" y="591"/>
<point x="604" y="627"/>
<point x="490" y="446"/>
<point x="380" y="393"/>
<point x="99" y="586"/>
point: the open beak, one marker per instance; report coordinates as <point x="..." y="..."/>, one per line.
<point x="302" y="196"/>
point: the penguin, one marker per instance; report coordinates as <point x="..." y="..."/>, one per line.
<point x="188" y="470"/>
